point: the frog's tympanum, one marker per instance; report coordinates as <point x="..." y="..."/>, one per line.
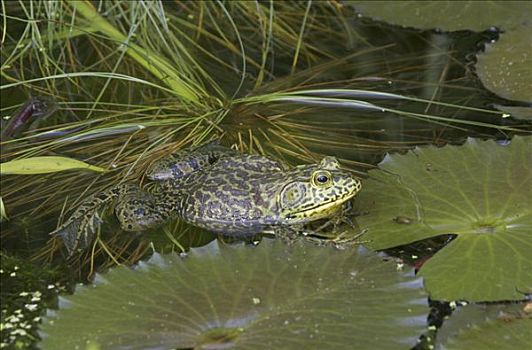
<point x="218" y="189"/>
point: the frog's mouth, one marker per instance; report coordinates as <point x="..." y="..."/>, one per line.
<point x="321" y="210"/>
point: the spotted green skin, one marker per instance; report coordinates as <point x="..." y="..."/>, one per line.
<point x="223" y="191"/>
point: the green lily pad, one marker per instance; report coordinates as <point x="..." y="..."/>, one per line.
<point x="496" y="326"/>
<point x="505" y="67"/>
<point x="447" y="15"/>
<point x="481" y="192"/>
<point x="43" y="165"/>
<point x="266" y="297"/>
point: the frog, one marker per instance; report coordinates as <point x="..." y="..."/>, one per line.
<point x="221" y="190"/>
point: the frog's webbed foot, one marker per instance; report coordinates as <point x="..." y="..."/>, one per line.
<point x="79" y="229"/>
<point x="78" y="233"/>
<point x="342" y="240"/>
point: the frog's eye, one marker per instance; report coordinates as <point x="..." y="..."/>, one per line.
<point x="321" y="179"/>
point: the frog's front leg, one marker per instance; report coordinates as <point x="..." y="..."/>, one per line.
<point x="343" y="239"/>
<point x="288" y="234"/>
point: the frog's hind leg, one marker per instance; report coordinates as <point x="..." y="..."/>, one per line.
<point x="180" y="164"/>
<point x="137" y="210"/>
<point x="79" y="229"/>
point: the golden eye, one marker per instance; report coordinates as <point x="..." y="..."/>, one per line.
<point x="322" y="179"/>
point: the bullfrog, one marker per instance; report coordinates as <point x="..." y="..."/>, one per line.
<point x="220" y="190"/>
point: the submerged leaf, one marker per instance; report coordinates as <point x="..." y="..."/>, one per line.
<point x="43" y="165"/>
<point x="506" y="66"/>
<point x="480" y="191"/>
<point x="266" y="297"/>
<point x="447" y="15"/>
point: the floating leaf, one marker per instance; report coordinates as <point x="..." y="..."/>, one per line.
<point x="503" y="326"/>
<point x="506" y="66"/>
<point x="447" y="15"/>
<point x="43" y="165"/>
<point x="480" y="191"/>
<point x="267" y="297"/>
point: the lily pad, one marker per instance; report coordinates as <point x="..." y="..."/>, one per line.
<point x="266" y="297"/>
<point x="482" y="192"/>
<point x="447" y="15"/>
<point x="496" y="326"/>
<point x="505" y="67"/>
<point x="43" y="165"/>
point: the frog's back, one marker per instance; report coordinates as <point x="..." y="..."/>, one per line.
<point x="235" y="195"/>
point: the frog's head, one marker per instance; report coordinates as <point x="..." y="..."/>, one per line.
<point x="315" y="191"/>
